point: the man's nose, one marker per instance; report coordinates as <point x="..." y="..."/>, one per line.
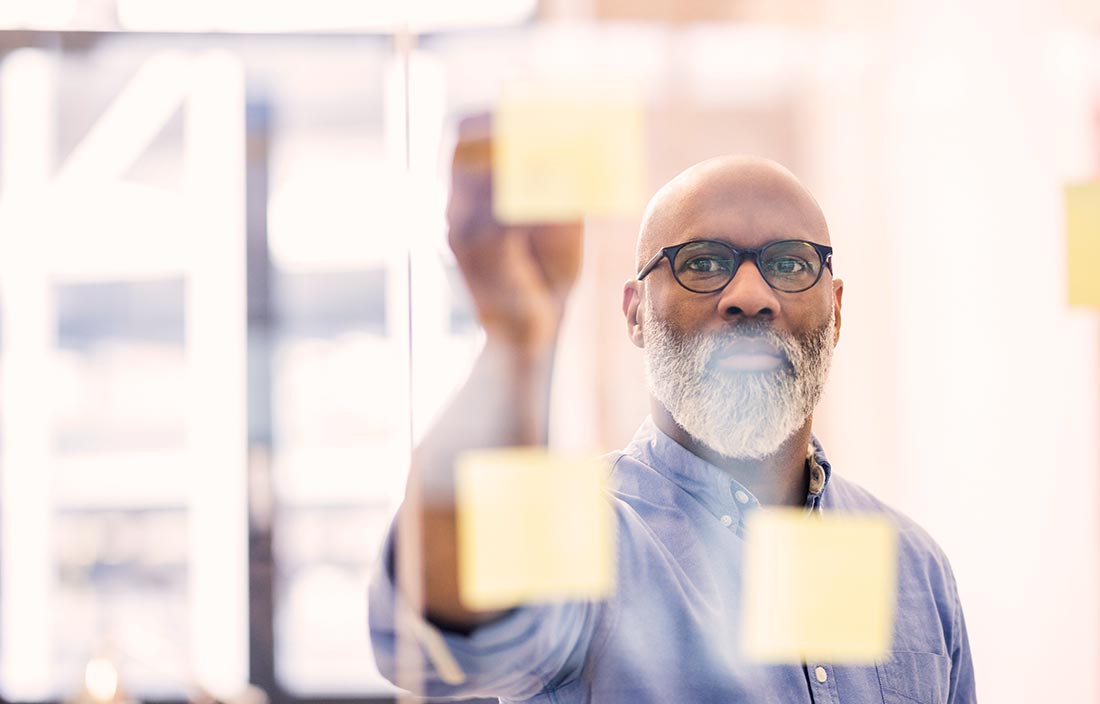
<point x="748" y="295"/>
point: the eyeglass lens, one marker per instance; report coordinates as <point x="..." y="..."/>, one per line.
<point x="708" y="266"/>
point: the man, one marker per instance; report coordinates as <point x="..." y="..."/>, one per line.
<point x="737" y="312"/>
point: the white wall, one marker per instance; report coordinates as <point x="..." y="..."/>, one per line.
<point x="983" y="381"/>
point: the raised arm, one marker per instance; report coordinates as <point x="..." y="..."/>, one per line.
<point x="519" y="279"/>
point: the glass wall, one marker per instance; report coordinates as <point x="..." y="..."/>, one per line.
<point x="216" y="243"/>
<point x="228" y="308"/>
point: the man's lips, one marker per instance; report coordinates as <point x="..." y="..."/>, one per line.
<point x="750" y="355"/>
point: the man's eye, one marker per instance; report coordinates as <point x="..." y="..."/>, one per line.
<point x="788" y="266"/>
<point x="707" y="265"/>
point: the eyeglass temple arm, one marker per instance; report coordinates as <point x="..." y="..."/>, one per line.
<point x="651" y="265"/>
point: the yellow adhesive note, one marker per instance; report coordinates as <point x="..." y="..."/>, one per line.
<point x="532" y="526"/>
<point x="818" y="587"/>
<point x="566" y="150"/>
<point x="1083" y="243"/>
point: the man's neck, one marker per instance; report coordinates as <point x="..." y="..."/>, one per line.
<point x="780" y="479"/>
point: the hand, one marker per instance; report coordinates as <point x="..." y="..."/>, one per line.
<point x="519" y="276"/>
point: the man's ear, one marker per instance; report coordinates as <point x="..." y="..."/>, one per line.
<point x="838" y="296"/>
<point x="633" y="310"/>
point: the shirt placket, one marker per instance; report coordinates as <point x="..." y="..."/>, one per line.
<point x="822" y="683"/>
<point x="820" y="675"/>
<point x="742" y="502"/>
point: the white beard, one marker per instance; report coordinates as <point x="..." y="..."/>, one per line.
<point x="743" y="415"/>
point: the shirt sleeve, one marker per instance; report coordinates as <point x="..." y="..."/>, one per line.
<point x="532" y="649"/>
<point x="963" y="689"/>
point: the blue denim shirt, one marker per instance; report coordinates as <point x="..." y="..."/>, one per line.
<point x="670" y="632"/>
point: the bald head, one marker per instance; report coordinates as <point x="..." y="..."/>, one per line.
<point x="698" y="202"/>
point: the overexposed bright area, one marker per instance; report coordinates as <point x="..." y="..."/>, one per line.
<point x="342" y="16"/>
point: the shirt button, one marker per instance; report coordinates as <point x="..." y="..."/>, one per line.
<point x="726" y="521"/>
<point x="821" y="675"/>
<point x="741" y="496"/>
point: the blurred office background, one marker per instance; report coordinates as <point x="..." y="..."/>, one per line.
<point x="227" y="307"/>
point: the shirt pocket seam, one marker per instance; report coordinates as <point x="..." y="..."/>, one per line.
<point x="903" y="695"/>
<point x="885" y="669"/>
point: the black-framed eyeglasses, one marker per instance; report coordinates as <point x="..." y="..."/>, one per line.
<point x="707" y="266"/>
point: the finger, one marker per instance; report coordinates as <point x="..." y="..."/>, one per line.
<point x="469" y="207"/>
<point x="475" y="127"/>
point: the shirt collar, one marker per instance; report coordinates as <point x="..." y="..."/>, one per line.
<point x="820" y="471"/>
<point x="711" y="485"/>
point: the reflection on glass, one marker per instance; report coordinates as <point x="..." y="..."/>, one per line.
<point x="122" y="577"/>
<point x="322" y="576"/>
<point x="336" y="438"/>
<point x="121" y="357"/>
<point x="120" y="529"/>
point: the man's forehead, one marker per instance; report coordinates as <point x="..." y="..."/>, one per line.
<point x="725" y="197"/>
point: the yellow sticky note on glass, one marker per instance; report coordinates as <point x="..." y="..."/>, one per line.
<point x="532" y="526"/>
<point x="1083" y="243"/>
<point x="818" y="587"/>
<point x="565" y="150"/>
